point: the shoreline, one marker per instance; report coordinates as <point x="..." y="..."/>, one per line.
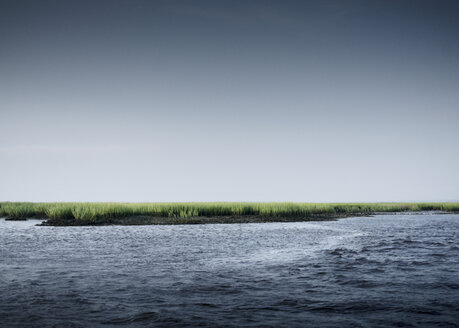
<point x="91" y="214"/>
<point x="156" y="220"/>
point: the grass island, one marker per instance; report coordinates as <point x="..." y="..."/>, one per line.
<point x="72" y="213"/>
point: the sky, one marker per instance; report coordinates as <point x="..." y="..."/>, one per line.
<point x="152" y="101"/>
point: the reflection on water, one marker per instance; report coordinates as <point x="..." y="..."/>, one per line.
<point x="394" y="270"/>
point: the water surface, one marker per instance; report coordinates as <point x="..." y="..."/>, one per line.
<point x="383" y="271"/>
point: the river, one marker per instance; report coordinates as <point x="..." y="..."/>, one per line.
<point x="381" y="271"/>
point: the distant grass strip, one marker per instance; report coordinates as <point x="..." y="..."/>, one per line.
<point x="216" y="212"/>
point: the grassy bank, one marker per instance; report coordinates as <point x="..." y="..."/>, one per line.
<point x="218" y="212"/>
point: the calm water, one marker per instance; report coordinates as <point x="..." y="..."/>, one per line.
<point x="393" y="270"/>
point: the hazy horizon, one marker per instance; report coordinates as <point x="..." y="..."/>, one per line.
<point x="156" y="101"/>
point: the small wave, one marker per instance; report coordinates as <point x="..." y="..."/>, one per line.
<point x="342" y="251"/>
<point x="143" y="316"/>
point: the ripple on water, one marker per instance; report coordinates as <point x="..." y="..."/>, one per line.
<point x="365" y="272"/>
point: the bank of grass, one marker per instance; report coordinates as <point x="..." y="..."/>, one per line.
<point x="217" y="212"/>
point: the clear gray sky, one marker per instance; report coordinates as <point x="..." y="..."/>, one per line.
<point x="311" y="101"/>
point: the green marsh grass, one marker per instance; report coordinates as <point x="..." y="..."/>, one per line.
<point x="102" y="213"/>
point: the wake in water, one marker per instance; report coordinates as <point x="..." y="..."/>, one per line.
<point x="382" y="271"/>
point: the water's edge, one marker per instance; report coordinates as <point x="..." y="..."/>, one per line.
<point x="154" y="220"/>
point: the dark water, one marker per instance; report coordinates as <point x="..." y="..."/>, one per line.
<point x="394" y="270"/>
